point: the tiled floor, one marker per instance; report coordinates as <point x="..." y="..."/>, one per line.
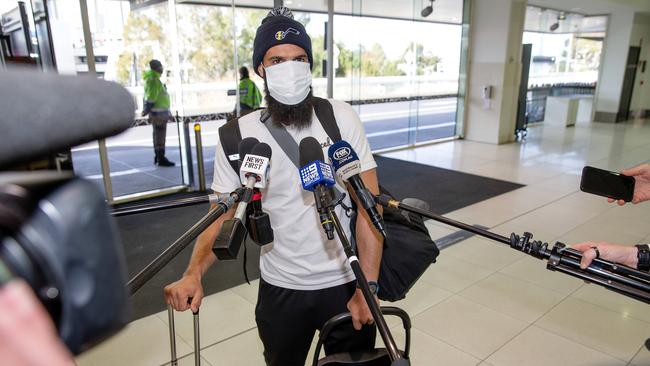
<point x="482" y="303"/>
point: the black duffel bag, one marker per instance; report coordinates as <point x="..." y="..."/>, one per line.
<point x="408" y="251"/>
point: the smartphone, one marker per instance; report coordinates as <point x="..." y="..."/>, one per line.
<point x="608" y="184"/>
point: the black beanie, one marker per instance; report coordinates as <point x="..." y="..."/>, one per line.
<point x="279" y="27"/>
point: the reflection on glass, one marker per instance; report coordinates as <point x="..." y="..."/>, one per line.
<point x="400" y="71"/>
<point x="403" y="73"/>
<point x="565" y="57"/>
<point x="124" y="41"/>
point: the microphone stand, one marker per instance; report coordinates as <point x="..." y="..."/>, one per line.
<point x="183" y="241"/>
<point x="616" y="277"/>
<point x="393" y="352"/>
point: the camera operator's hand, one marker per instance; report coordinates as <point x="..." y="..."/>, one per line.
<point x="617" y="253"/>
<point x="178" y="293"/>
<point x="27" y="334"/>
<point x="641" y="174"/>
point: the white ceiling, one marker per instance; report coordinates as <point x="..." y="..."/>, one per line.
<point x="594" y="7"/>
<point x="540" y="20"/>
<point x="448" y="11"/>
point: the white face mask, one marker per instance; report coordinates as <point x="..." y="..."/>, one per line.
<point x="289" y="81"/>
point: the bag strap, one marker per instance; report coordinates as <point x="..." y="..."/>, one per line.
<point x="230" y="137"/>
<point x="282" y="137"/>
<point x="325" y="114"/>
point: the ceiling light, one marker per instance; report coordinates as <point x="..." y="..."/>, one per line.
<point x="427" y="11"/>
<point x="560" y="17"/>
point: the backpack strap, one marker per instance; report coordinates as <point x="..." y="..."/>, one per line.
<point x="325" y="114"/>
<point x="283" y="138"/>
<point x="230" y="137"/>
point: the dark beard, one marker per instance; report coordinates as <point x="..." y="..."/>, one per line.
<point x="298" y="115"/>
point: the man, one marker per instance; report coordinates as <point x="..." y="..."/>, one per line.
<point x="156" y="105"/>
<point x="250" y="97"/>
<point x="631" y="256"/>
<point x="305" y="278"/>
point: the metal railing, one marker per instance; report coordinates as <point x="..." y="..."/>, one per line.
<point x="536" y="97"/>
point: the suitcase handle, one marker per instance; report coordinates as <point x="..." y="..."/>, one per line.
<point x="339" y="319"/>
<point x="172" y="336"/>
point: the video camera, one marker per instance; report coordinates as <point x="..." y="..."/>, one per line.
<point x="56" y="232"/>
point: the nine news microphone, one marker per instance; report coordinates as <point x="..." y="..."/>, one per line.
<point x="316" y="176"/>
<point x="347" y="167"/>
<point x="253" y="174"/>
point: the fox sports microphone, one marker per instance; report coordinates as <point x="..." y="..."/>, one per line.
<point x="316" y="176"/>
<point x="347" y="166"/>
<point x="253" y="173"/>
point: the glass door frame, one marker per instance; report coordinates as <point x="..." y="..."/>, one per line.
<point x="184" y="135"/>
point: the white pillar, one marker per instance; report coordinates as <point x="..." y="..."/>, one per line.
<point x="496" y="31"/>
<point x="612" y="70"/>
<point x="641" y="37"/>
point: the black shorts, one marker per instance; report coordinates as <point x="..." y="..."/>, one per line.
<point x="287" y="320"/>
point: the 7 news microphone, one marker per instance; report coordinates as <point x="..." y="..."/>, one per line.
<point x="317" y="176"/>
<point x="347" y="167"/>
<point x="253" y="174"/>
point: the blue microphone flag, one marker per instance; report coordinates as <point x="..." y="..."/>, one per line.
<point x="345" y="160"/>
<point x="316" y="173"/>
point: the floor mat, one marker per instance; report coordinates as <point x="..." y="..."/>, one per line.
<point x="445" y="190"/>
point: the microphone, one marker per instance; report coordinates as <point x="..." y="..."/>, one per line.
<point x="45" y="113"/>
<point x="255" y="166"/>
<point x="347" y="166"/>
<point x="316" y="176"/>
<point x="253" y="173"/>
<point x="245" y="147"/>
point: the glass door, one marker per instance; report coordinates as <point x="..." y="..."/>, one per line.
<point x="401" y="68"/>
<point x="126" y="38"/>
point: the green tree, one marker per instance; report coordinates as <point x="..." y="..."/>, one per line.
<point x="143" y="34"/>
<point x="375" y="63"/>
<point x="206" y="43"/>
<point x="319" y="54"/>
<point x="426" y="62"/>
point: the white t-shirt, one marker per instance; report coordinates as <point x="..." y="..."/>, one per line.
<point x="300" y="257"/>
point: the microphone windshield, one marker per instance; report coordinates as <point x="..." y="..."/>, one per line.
<point x="262" y="149"/>
<point x="342" y="153"/>
<point x="344" y="159"/>
<point x="310" y="150"/>
<point x="45" y="113"/>
<point x="246" y="146"/>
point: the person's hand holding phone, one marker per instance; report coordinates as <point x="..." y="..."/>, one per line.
<point x="641" y="174"/>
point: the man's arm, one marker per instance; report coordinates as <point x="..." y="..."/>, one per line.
<point x="189" y="286"/>
<point x="152" y="90"/>
<point x="369" y="248"/>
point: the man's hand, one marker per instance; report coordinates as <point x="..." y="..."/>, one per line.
<point x="641" y="174"/>
<point x="27" y="334"/>
<point x="622" y="254"/>
<point x="360" y="311"/>
<point x="178" y="293"/>
<point x="146" y="108"/>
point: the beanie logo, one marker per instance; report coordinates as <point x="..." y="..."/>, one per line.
<point x="280" y="35"/>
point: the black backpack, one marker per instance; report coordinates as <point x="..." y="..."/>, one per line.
<point x="408" y="251"/>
